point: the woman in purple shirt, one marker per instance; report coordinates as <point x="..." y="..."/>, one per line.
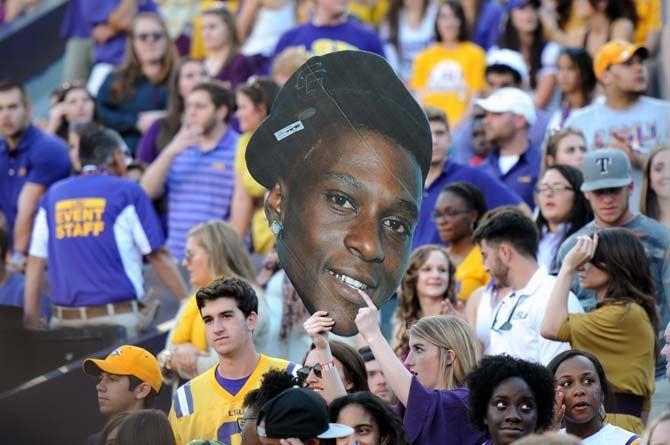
<point x="223" y="61"/>
<point x="431" y="392"/>
<point x="510" y="398"/>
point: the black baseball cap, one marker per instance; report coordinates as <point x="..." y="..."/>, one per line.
<point x="299" y="413"/>
<point x="356" y="89"/>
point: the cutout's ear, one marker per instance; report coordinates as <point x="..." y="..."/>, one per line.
<point x="273" y="203"/>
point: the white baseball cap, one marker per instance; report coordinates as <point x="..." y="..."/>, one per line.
<point x="510" y="100"/>
<point x="509" y="58"/>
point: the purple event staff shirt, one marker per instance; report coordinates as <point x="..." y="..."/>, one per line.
<point x="94" y="230"/>
<point x="322" y="40"/>
<point x="199" y="189"/>
<point x="438" y="417"/>
<point x="39" y="158"/>
<point x="522" y="177"/>
<point x="496" y="193"/>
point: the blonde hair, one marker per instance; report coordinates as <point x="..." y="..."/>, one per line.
<point x="450" y="333"/>
<point x="228" y="256"/>
<point x="288" y="61"/>
<point x="646" y="437"/>
<point x="648" y="197"/>
<point x="409" y="309"/>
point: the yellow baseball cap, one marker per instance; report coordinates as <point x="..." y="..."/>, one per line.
<point x="616" y="51"/>
<point x="128" y="360"/>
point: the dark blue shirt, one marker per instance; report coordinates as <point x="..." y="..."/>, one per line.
<point x="496" y="193"/>
<point x="11" y="294"/>
<point x="38" y="158"/>
<point x="122" y="116"/>
<point x="521" y="178"/>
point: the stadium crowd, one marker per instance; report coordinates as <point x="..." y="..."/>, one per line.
<point x="535" y="307"/>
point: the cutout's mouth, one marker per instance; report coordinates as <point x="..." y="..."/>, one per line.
<point x="350" y="281"/>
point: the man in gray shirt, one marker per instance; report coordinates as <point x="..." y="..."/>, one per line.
<point x="626" y="118"/>
<point x="608" y="186"/>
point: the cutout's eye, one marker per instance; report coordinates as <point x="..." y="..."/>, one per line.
<point x="396" y="226"/>
<point x="340" y="200"/>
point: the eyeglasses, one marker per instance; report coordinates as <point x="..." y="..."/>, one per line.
<point x="551" y="189"/>
<point x="439" y="216"/>
<point x="303" y="372"/>
<point x="242" y="421"/>
<point x="149" y="36"/>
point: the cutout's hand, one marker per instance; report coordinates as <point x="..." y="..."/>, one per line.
<point x="367" y="320"/>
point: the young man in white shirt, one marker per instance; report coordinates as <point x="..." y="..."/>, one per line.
<point x="508" y="240"/>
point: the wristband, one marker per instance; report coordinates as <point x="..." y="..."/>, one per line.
<point x="17" y="257"/>
<point x="328" y="366"/>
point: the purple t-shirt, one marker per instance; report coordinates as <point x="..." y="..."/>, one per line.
<point x="97" y="12"/>
<point x="433" y="417"/>
<point x="487" y="28"/>
<point x="232" y="386"/>
<point x="321" y="40"/>
<point x="237" y="71"/>
<point x="74" y="22"/>
<point x="495" y="192"/>
<point x="147" y="150"/>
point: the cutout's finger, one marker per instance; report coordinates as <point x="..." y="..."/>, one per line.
<point x="367" y="299"/>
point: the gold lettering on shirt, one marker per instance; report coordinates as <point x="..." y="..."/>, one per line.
<point x="78" y="218"/>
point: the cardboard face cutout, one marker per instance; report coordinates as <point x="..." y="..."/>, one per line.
<point x="344" y="152"/>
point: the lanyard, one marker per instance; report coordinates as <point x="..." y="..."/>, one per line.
<point x="507" y="325"/>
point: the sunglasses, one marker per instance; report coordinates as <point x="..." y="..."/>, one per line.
<point x="149" y="36"/>
<point x="303" y="372"/>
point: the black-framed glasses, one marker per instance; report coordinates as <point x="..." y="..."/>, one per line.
<point x="149" y="36"/>
<point x="439" y="216"/>
<point x="507" y="325"/>
<point x="551" y="188"/>
<point x="242" y="421"/>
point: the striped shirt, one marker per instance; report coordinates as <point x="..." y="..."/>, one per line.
<point x="200" y="188"/>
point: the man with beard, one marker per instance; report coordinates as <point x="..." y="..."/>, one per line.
<point x="30" y="161"/>
<point x="197" y="168"/>
<point x="627" y="119"/>
<point x="508" y="240"/>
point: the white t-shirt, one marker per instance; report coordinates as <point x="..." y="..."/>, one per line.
<point x="411" y="41"/>
<point x="268" y="27"/>
<point x="645" y="124"/>
<point x="611" y="435"/>
<point x="515" y="329"/>
<point x="505" y="163"/>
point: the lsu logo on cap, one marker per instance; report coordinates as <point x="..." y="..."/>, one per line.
<point x="116" y="352"/>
